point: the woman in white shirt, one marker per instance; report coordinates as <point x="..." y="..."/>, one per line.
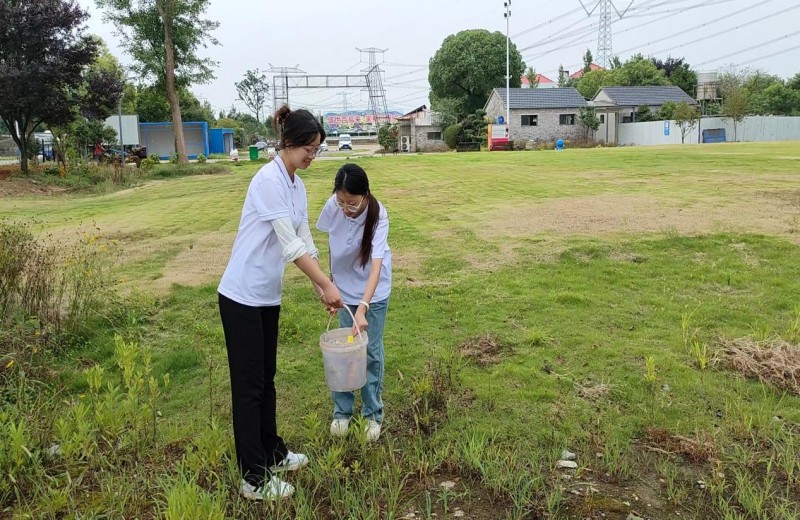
<point x="273" y="231"/>
<point x="361" y="265"/>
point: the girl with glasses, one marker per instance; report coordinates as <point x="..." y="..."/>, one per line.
<point x="361" y="266"/>
<point x="273" y="231"/>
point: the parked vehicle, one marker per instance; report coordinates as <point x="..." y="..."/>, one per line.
<point x="345" y="143"/>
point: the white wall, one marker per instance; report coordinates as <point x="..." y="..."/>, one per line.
<point x="754" y="128"/>
<point x="130" y="128"/>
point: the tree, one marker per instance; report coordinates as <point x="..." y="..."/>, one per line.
<point x="637" y="71"/>
<point x="735" y="105"/>
<point x="387" y="137"/>
<point x="163" y="37"/>
<point x="735" y="97"/>
<point x="678" y="72"/>
<point x="533" y="77"/>
<point x="589" y="121"/>
<point x="643" y="114"/>
<point x="667" y="111"/>
<point x="104" y="83"/>
<point x="469" y="65"/>
<point x="587" y="61"/>
<point x="562" y="77"/>
<point x="474" y="127"/>
<point x="686" y="117"/>
<point x="591" y="82"/>
<point x="782" y="100"/>
<point x="152" y="105"/>
<point x="43" y="52"/>
<point x="253" y="91"/>
<point x="453" y="134"/>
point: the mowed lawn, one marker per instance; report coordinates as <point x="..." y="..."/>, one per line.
<point x="530" y="290"/>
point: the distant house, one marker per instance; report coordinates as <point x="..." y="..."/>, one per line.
<point x="420" y="131"/>
<point x="538" y="114"/>
<point x="544" y="82"/>
<point x="579" y="73"/>
<point x="616" y="105"/>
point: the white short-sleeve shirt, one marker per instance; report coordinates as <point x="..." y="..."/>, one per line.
<point x="254" y="275"/>
<point x="344" y="238"/>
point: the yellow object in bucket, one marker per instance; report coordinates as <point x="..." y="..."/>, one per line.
<point x="344" y="357"/>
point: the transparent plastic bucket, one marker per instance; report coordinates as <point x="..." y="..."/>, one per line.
<point x="345" y="363"/>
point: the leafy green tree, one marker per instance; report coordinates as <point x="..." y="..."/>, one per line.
<point x="587" y="61"/>
<point x="589" y="121"/>
<point x="468" y="66"/>
<point x="591" y="82"/>
<point x="736" y="98"/>
<point x="43" y="53"/>
<point x="164" y="37"/>
<point x="781" y="100"/>
<point x="453" y="134"/>
<point x="387" y="137"/>
<point x="643" y="114"/>
<point x="532" y="77"/>
<point x="667" y="111"/>
<point x="678" y="72"/>
<point x="686" y="117"/>
<point x="253" y="91"/>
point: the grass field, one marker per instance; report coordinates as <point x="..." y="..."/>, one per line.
<point x="589" y="300"/>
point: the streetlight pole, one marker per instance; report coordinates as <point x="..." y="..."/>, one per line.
<point x="507" y="5"/>
<point x="121" y="140"/>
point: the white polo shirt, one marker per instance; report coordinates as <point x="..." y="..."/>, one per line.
<point x="344" y="238"/>
<point x="254" y="275"/>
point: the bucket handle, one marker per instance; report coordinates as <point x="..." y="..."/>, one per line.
<point x="328" y="328"/>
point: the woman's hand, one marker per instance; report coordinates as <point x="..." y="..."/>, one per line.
<point x="331" y="297"/>
<point x="361" y="321"/>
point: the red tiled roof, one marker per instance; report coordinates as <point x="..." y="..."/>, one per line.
<point x="543" y="80"/>
<point x="579" y="73"/>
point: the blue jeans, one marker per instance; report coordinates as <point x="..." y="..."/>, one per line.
<point x="371" y="403"/>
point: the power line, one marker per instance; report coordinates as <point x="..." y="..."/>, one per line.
<point x="548" y="22"/>
<point x="777" y="53"/>
<point x="638" y="26"/>
<point x="724" y="31"/>
<point x="748" y="49"/>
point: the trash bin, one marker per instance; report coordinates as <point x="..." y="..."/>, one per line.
<point x="253" y="153"/>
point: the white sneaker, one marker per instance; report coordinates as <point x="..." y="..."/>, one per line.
<point x="373" y="430"/>
<point x="292" y="462"/>
<point x="273" y="489"/>
<point x="339" y="427"/>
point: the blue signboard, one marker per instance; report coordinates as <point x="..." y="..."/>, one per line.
<point x="666" y="127"/>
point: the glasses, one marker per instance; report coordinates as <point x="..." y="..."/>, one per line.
<point x="311" y="152"/>
<point x="349" y="207"/>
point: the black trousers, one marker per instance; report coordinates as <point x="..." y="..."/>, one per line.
<point x="251" y="337"/>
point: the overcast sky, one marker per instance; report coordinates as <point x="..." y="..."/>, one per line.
<point x="321" y="37"/>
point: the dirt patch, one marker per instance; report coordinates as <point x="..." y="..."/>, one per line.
<point x="484" y="350"/>
<point x="609" y="214"/>
<point x="202" y="262"/>
<point x="13" y="186"/>
<point x="775" y="362"/>
<point x="665" y="442"/>
<point x="592" y="391"/>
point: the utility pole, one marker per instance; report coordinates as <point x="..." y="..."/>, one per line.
<point x="344" y="101"/>
<point x="507" y="15"/>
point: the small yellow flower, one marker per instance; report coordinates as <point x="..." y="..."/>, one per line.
<point x="10" y="364"/>
<point x="82" y="396"/>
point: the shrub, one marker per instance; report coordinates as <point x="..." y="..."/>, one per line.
<point x="173" y="159"/>
<point x="154" y="158"/>
<point x="201" y="159"/>
<point x="452" y="135"/>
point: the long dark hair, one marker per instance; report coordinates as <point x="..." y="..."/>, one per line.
<point x="353" y="179"/>
<point x="296" y="127"/>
